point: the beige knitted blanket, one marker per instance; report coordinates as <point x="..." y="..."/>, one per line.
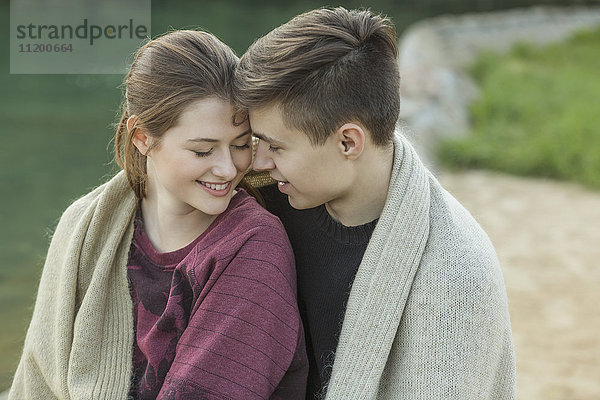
<point x="79" y="342"/>
<point x="427" y="317"/>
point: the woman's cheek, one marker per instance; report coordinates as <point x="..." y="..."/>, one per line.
<point x="243" y="159"/>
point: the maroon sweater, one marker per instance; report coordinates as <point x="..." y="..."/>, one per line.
<point x="218" y="318"/>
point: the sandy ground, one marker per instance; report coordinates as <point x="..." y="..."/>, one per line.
<point x="547" y="235"/>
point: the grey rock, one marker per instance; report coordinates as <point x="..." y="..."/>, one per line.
<point x="434" y="54"/>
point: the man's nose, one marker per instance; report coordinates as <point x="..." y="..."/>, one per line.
<point x="262" y="159"/>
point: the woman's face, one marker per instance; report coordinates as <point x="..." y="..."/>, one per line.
<point x="198" y="162"/>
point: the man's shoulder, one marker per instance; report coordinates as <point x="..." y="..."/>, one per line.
<point x="453" y="227"/>
<point x="457" y="249"/>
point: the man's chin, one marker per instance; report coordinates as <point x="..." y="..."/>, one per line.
<point x="299" y="204"/>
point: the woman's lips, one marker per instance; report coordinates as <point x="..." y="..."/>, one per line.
<point x="216" y="189"/>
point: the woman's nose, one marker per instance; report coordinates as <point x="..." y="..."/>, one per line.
<point x="225" y="168"/>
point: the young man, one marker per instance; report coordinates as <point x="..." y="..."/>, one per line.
<point x="400" y="290"/>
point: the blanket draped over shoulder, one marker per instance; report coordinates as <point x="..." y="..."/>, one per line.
<point x="79" y="342"/>
<point x="427" y="316"/>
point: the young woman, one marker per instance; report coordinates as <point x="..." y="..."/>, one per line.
<point x="169" y="281"/>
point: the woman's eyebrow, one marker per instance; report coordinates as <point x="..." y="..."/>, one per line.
<point x="211" y="140"/>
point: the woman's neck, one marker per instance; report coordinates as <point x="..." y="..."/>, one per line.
<point x="171" y="227"/>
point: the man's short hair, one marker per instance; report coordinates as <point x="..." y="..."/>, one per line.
<point x="324" y="68"/>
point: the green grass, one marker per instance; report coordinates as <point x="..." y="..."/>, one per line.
<point x="538" y="113"/>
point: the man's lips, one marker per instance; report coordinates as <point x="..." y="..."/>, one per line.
<point x="279" y="181"/>
<point x="282" y="185"/>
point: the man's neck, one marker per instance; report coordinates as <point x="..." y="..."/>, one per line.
<point x="364" y="201"/>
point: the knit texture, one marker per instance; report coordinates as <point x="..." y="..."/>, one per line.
<point x="328" y="255"/>
<point x="79" y="342"/>
<point x="427" y="316"/>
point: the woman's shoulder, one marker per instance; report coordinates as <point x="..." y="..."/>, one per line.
<point x="251" y="234"/>
<point x="245" y="213"/>
<point x="114" y="191"/>
<point x="244" y="225"/>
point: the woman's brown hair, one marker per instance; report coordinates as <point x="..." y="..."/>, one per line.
<point x="168" y="74"/>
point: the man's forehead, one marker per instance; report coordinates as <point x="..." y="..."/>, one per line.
<point x="267" y="124"/>
<point x="267" y="138"/>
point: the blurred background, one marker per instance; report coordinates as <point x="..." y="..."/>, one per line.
<point x="56" y="131"/>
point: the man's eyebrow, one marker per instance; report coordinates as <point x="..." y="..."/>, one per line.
<point x="210" y="140"/>
<point x="267" y="139"/>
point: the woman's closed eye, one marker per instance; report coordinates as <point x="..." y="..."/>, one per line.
<point x="234" y="146"/>
<point x="241" y="146"/>
<point x="203" y="153"/>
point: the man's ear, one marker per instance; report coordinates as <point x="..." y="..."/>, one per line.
<point x="351" y="140"/>
<point x="139" y="138"/>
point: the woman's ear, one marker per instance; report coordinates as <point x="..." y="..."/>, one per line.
<point x="139" y="138"/>
<point x="351" y="140"/>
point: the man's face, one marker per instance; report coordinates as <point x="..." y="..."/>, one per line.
<point x="310" y="176"/>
